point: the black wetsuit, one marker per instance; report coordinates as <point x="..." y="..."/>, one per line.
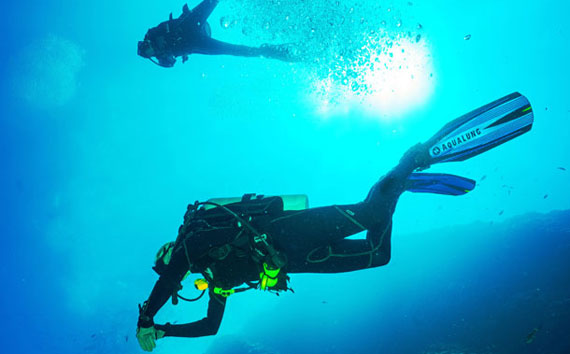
<point x="314" y="241"/>
<point x="190" y="33"/>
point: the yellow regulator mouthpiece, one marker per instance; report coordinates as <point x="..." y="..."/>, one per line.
<point x="268" y="278"/>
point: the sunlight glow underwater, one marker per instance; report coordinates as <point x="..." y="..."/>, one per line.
<point x="45" y="72"/>
<point x="392" y="75"/>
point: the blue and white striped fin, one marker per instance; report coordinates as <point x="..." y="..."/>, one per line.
<point x="482" y="129"/>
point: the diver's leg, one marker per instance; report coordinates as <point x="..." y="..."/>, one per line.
<point x="302" y="231"/>
<point x="203" y="10"/>
<point x="340" y="221"/>
<point x="207" y="45"/>
<point x="389" y="188"/>
<point x="347" y="255"/>
<point x="314" y="239"/>
<point x="283" y="52"/>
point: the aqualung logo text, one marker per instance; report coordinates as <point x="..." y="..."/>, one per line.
<point x="452" y="143"/>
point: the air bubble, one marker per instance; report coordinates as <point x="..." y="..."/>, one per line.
<point x="225" y="22"/>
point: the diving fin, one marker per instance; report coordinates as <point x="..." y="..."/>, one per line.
<point x="482" y="129"/>
<point x="439" y="183"/>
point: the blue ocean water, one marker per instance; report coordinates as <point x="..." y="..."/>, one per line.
<point x="102" y="151"/>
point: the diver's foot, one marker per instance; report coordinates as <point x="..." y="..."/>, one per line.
<point x="417" y="156"/>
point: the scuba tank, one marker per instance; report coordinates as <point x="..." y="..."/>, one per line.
<point x="290" y="202"/>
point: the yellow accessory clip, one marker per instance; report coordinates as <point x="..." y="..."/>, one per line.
<point x="201" y="284"/>
<point x="268" y="278"/>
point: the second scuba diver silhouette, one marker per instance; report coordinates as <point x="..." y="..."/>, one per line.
<point x="258" y="241"/>
<point x="190" y="34"/>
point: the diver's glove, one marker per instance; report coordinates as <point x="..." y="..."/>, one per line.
<point x="147" y="334"/>
<point x="147" y="337"/>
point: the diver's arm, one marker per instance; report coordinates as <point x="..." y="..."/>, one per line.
<point x="168" y="282"/>
<point x="208" y="326"/>
<point x="161" y="292"/>
<point x="204" y="9"/>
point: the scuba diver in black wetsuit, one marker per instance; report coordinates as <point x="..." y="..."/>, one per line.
<point x="258" y="241"/>
<point x="190" y="33"/>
